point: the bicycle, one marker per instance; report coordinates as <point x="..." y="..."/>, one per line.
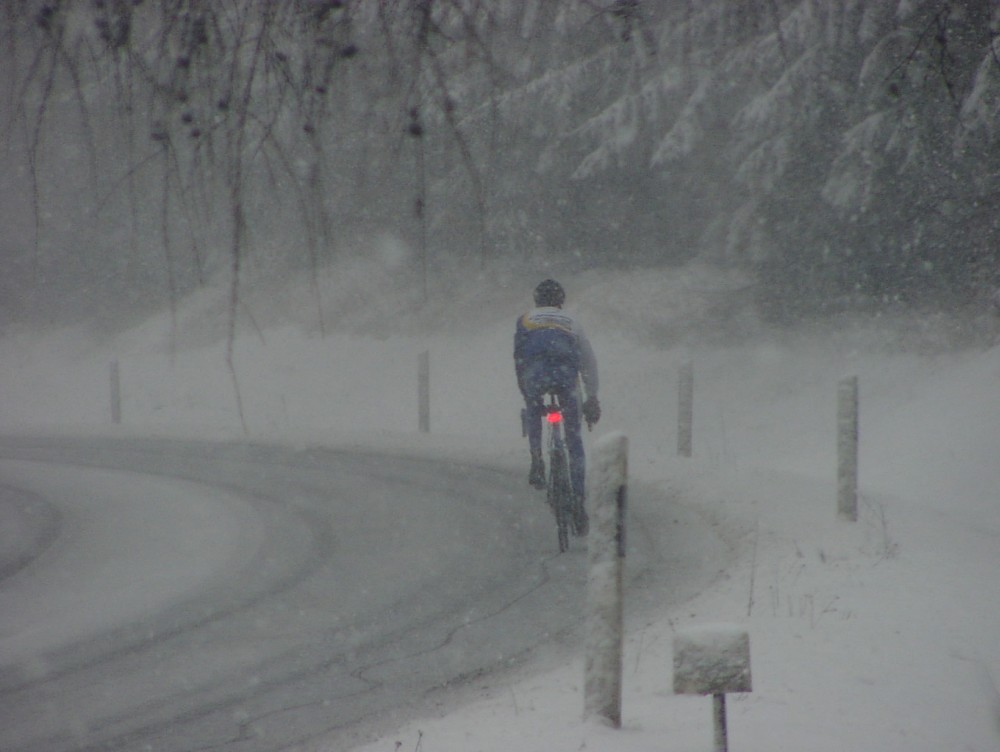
<point x="565" y="505"/>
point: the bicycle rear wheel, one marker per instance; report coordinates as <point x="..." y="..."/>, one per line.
<point x="560" y="497"/>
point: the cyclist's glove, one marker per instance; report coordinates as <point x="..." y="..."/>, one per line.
<point x="591" y="411"/>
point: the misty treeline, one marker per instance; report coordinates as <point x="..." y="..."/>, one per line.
<point x="844" y="153"/>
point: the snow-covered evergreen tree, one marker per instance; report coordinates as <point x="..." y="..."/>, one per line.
<point x="845" y="152"/>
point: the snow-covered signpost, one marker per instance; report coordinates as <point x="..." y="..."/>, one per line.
<point x="713" y="660"/>
<point x="606" y="555"/>
<point x="847" y="448"/>
<point x="685" y="409"/>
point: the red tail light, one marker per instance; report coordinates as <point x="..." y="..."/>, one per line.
<point x="554" y="417"/>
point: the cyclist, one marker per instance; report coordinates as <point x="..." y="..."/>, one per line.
<point x="550" y="352"/>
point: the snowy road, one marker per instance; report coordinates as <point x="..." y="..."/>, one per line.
<point x="170" y="595"/>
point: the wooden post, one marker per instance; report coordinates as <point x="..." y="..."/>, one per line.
<point x="685" y="410"/>
<point x="424" y="391"/>
<point x="847" y="448"/>
<point x="605" y="603"/>
<point x="116" y="393"/>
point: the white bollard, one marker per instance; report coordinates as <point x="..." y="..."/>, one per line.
<point x="685" y="410"/>
<point x="116" y="393"/>
<point x="424" y="392"/>
<point x="847" y="448"/>
<point x="606" y="556"/>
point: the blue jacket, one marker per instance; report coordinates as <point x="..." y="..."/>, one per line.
<point x="551" y="339"/>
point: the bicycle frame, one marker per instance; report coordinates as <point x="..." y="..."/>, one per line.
<point x="559" y="493"/>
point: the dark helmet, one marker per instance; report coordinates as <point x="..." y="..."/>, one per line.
<point x="549" y="293"/>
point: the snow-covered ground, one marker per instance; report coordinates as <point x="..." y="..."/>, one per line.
<point x="883" y="634"/>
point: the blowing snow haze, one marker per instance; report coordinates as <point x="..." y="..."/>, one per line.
<point x="261" y="214"/>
